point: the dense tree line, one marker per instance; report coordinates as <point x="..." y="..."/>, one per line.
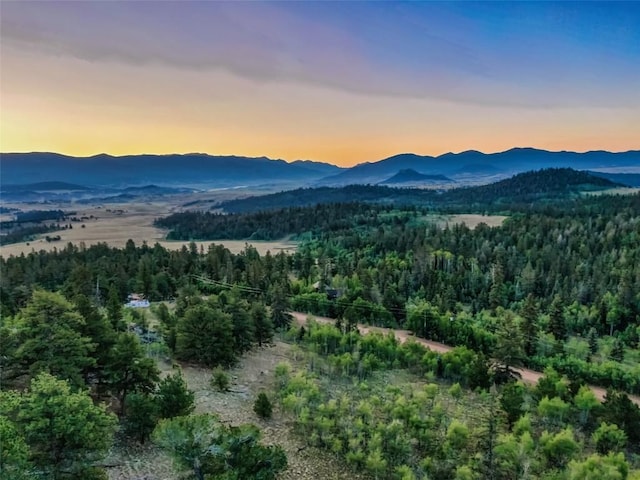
<point x="275" y="224"/>
<point x="42" y="216"/>
<point x="26" y="234"/>
<point x="156" y="272"/>
<point x="571" y="282"/>
<point x="590" y="262"/>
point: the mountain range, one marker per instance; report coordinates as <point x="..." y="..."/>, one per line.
<point x="492" y="166"/>
<point x="193" y="170"/>
<point x="199" y="170"/>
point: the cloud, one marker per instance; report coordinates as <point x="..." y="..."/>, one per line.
<point x="370" y="51"/>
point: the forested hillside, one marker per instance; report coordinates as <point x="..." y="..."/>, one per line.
<point x="529" y="190"/>
<point x="275" y="224"/>
<point x="555" y="289"/>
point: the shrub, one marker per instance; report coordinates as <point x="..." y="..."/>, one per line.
<point x="262" y="406"/>
<point x="220" y="379"/>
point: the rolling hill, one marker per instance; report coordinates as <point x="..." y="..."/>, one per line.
<point x="411" y="177"/>
<point x="539" y="187"/>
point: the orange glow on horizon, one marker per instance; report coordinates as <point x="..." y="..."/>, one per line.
<point x="280" y="121"/>
<point x="14" y="141"/>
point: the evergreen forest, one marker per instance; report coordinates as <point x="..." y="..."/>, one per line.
<point x="554" y="288"/>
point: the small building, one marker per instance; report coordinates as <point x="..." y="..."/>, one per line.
<point x="137" y="300"/>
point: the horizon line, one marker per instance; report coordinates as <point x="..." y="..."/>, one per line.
<point x="311" y="160"/>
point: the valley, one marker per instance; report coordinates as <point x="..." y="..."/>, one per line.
<point x="319" y="240"/>
<point x="440" y="318"/>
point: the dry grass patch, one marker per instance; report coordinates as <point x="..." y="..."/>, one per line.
<point x="472" y="220"/>
<point x="123" y="222"/>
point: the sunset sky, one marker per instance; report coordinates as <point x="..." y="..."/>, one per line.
<point x="336" y="82"/>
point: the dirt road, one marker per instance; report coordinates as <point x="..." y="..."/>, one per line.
<point x="528" y="376"/>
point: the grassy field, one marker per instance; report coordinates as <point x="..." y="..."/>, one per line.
<point x="115" y="224"/>
<point x="472" y="220"/>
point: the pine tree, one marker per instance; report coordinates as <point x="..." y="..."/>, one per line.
<point x="168" y="324"/>
<point x="617" y="350"/>
<point x="243" y="325"/>
<point x="114" y="309"/>
<point x="530" y="313"/>
<point x="173" y="397"/>
<point x="220" y="379"/>
<point x="65" y="431"/>
<point x="512" y="401"/>
<point x="280" y="308"/>
<point x="142" y="416"/>
<point x="557" y="324"/>
<point x="509" y="349"/>
<point x="263" y="324"/>
<point x="50" y="338"/>
<point x="262" y="406"/>
<point x="592" y="338"/>
<point x="129" y="370"/>
<point x="97" y="328"/>
<point x="205" y="335"/>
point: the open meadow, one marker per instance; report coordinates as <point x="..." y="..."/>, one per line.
<point x="115" y="224"/>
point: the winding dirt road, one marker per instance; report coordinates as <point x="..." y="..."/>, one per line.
<point x="528" y="376"/>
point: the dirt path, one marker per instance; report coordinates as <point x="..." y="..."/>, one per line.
<point x="528" y="376"/>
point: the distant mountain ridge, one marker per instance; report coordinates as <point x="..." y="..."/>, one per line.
<point x="163" y="170"/>
<point x="43" y="186"/>
<point x="200" y="170"/>
<point x="473" y="163"/>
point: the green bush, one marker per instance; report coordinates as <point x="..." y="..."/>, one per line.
<point x="262" y="406"/>
<point x="220" y="379"/>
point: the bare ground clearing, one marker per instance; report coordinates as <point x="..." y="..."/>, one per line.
<point x="529" y="376"/>
<point x="115" y="224"/>
<point x="472" y="220"/>
<point x="254" y="374"/>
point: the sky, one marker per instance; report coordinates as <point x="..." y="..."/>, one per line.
<point x="340" y="82"/>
